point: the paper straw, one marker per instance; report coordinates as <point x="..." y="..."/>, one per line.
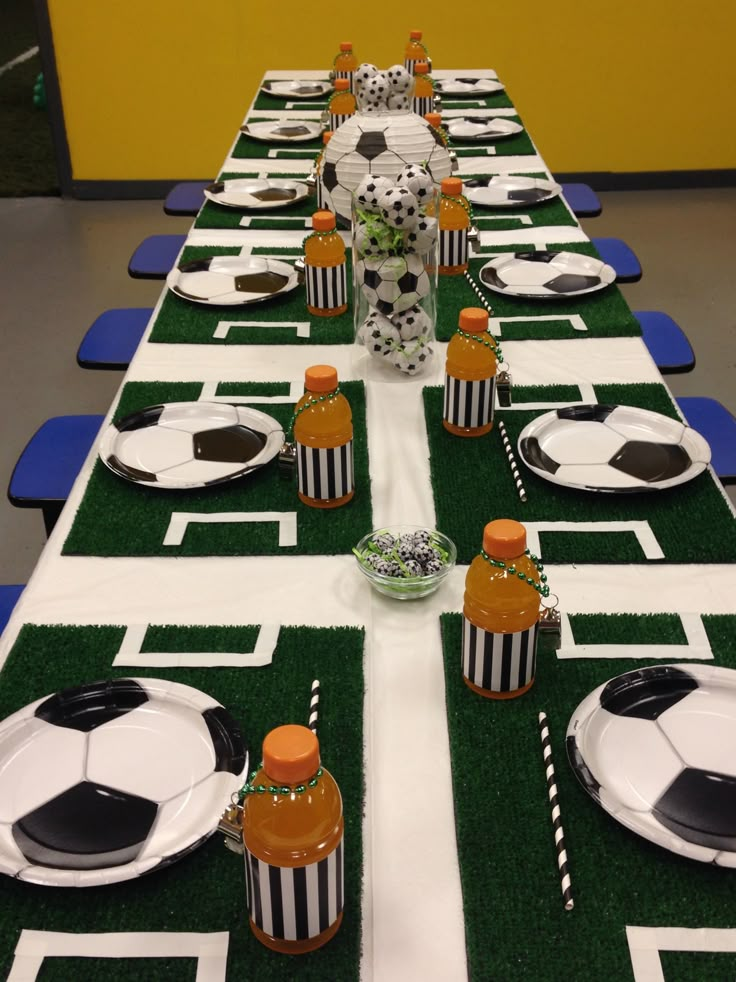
<point x="556" y="821"/>
<point x="479" y="292"/>
<point x="314" y="707"/>
<point x="512" y="460"/>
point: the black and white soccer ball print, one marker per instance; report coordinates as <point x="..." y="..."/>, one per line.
<point x="400" y="80"/>
<point x="546" y="274"/>
<point x="113" y="779"/>
<point x="382" y="146"/>
<point x="364" y="73"/>
<point x="655" y="747"/>
<point x="399" y="208"/>
<point x="422" y="238"/>
<point x="179" y="445"/>
<point x="419" y="181"/>
<point x="370" y="189"/>
<point x="402" y="340"/>
<point x="394" y="283"/>
<point x="611" y="448"/>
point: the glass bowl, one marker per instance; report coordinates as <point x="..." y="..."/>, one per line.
<point x="404" y="587"/>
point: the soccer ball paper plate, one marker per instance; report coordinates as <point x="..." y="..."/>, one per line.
<point x="546" y="274"/>
<point x="251" y="194"/>
<point x="509" y="191"/>
<point x="468" y="86"/>
<point x="654" y="748"/>
<point x="483" y="128"/>
<point x="231" y="281"/>
<point x="114" y="779"/>
<point x="190" y="444"/>
<point x="286" y="131"/>
<point x="612" y="448"/>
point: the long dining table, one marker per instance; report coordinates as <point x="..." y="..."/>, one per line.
<point x="246" y="594"/>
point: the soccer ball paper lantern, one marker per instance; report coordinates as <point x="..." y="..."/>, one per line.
<point x="381" y="144"/>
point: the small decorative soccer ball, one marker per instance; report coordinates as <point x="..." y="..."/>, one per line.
<point x="364" y="72"/>
<point x="376" y="89"/>
<point x="392" y="284"/>
<point x="410" y="357"/>
<point x="370" y="189"/>
<point x="373" y="239"/>
<point x="398" y="101"/>
<point x="423" y="236"/>
<point x="399" y="208"/>
<point x="378" y="334"/>
<point x="399" y="79"/>
<point x="412" y="323"/>
<point x="418" y="180"/>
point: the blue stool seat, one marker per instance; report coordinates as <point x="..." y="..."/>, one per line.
<point x="47" y="468"/>
<point x="8" y="599"/>
<point x="713" y="421"/>
<point x="112" y="339"/>
<point x="582" y="199"/>
<point x="666" y="341"/>
<point x="616" y="253"/>
<point x="155" y="256"/>
<point x="185" y="198"/>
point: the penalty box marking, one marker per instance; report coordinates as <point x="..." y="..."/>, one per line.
<point x="696" y="646"/>
<point x="575" y="321"/>
<point x="645" y="944"/>
<point x="180" y="521"/>
<point x="131" y="655"/>
<point x="209" y="394"/>
<point x="642" y="530"/>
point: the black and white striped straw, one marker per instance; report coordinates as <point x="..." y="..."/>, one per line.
<point x="556" y="820"/>
<point x="479" y="292"/>
<point x="512" y="460"/>
<point x="314" y="707"/>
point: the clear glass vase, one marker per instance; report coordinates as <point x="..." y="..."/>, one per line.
<point x="394" y="284"/>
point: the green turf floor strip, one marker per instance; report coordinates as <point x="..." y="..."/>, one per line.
<point x="627" y="629"/>
<point x="206" y="890"/>
<point x="181" y="322"/>
<point x="605" y="313"/>
<point x="515" y="923"/>
<point x="137" y="517"/>
<point x="691" y="522"/>
<point x="698" y="966"/>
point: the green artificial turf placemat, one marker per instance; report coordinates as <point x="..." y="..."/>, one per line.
<point x="268" y="103"/>
<point x="692" y="522"/>
<point x="551" y="212"/>
<point x="206" y="890"/>
<point x="516" y="926"/>
<point x="137" y="517"/>
<point x="605" y="313"/>
<point x="248" y="148"/>
<point x="181" y="322"/>
<point x="296" y="215"/>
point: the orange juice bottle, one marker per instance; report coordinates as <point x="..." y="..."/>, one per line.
<point x="342" y="103"/>
<point x="323" y="434"/>
<point x="435" y="121"/>
<point x="454" y="225"/>
<point x="326" y="136"/>
<point x="470" y="376"/>
<point x="293" y="837"/>
<point x="423" y="98"/>
<point x="414" y="51"/>
<point x="501" y="612"/>
<point x="324" y="261"/>
<point x="345" y="63"/>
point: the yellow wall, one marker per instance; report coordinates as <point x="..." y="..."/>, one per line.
<point x="156" y="89"/>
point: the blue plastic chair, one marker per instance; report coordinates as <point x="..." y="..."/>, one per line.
<point x="8" y="599"/>
<point x="111" y="341"/>
<point x="713" y="421"/>
<point x="666" y="341"/>
<point x="155" y="256"/>
<point x="616" y="253"/>
<point x="185" y="198"/>
<point x="582" y="199"/>
<point x="47" y="468"/>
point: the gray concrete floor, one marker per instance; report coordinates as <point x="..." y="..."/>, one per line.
<point x="64" y="262"/>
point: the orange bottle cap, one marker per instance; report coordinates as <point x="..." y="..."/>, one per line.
<point x="291" y="754"/>
<point x="415" y="35"/>
<point x="323" y="221"/>
<point x="434" y="119"/>
<point x="320" y="378"/>
<point x="421" y="67"/>
<point x="452" y="186"/>
<point x="341" y="84"/>
<point x="346" y="46"/>
<point x="327" y="136"/>
<point x="504" y="538"/>
<point x="474" y="320"/>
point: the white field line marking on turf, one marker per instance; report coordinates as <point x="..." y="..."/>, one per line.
<point x="521" y="219"/>
<point x="297" y="220"/>
<point x="642" y="530"/>
<point x="130" y="654"/>
<point x="575" y="321"/>
<point x="19" y="60"/>
<point x="209" y="390"/>
<point x="210" y="950"/>
<point x="645" y="944"/>
<point x="180" y="520"/>
<point x="696" y="645"/>
<point x="223" y="327"/>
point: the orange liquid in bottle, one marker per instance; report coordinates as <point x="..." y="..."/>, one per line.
<point x="414" y="50"/>
<point x="342" y="103"/>
<point x="454" y="217"/>
<point x="497" y="600"/>
<point x="325" y="251"/>
<point x="471" y="361"/>
<point x="346" y="62"/>
<point x="325" y="425"/>
<point x="293" y="830"/>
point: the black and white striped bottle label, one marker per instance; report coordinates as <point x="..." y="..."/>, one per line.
<point x="453" y="247"/>
<point x="325" y="472"/>
<point x="350" y="76"/>
<point x="295" y="903"/>
<point x="423" y="105"/>
<point x="327" y="286"/>
<point x="337" y="119"/>
<point x="499" y="662"/>
<point x="469" y="404"/>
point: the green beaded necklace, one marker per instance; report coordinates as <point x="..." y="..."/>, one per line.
<point x="541" y="587"/>
<point x="313" y="402"/>
<point x="487" y="340"/>
<point x="286" y="789"/>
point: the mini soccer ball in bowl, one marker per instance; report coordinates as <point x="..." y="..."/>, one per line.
<point x="405" y="561"/>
